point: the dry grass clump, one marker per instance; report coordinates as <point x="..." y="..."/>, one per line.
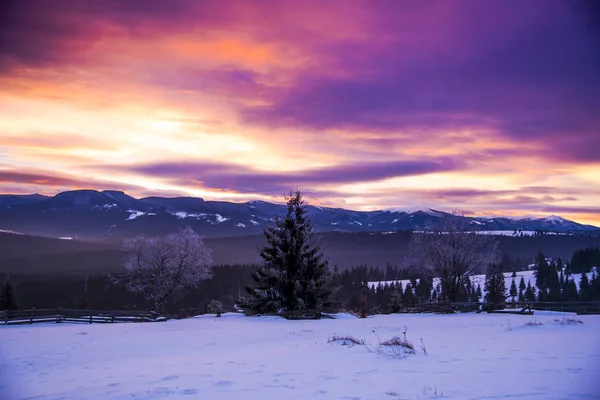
<point x="533" y="323"/>
<point x="346" y="340"/>
<point x="398" y="341"/>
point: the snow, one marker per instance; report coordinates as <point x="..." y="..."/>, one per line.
<point x="513" y="218"/>
<point x="528" y="277"/>
<point x="11" y="232"/>
<point x="253" y="222"/>
<point x="221" y="218"/>
<point x="134" y="214"/>
<point x="183" y="214"/>
<point x="470" y="356"/>
<point x="240" y="225"/>
<point x="218" y="218"/>
<point x="508" y="233"/>
<point x="411" y="210"/>
<point x="65" y="238"/>
<point x="555" y="219"/>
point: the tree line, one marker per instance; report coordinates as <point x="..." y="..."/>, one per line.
<point x="175" y="272"/>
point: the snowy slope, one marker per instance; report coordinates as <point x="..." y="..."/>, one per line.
<point x="470" y="356"/>
<point x="480" y="279"/>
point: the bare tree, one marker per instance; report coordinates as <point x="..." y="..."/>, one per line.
<point x="159" y="268"/>
<point x="453" y="252"/>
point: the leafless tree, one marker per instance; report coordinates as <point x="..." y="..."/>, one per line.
<point x="453" y="252"/>
<point x="159" y="268"/>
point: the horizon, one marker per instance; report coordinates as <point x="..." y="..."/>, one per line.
<point x="308" y="203"/>
<point x="483" y="109"/>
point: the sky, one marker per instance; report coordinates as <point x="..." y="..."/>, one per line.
<point x="483" y="107"/>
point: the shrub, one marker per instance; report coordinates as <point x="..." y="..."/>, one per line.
<point x="215" y="307"/>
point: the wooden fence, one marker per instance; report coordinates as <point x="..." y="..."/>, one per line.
<point x="525" y="308"/>
<point x="59" y="315"/>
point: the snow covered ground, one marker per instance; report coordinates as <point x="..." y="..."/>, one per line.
<point x="470" y="356"/>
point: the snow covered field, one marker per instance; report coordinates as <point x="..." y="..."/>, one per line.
<point x="470" y="356"/>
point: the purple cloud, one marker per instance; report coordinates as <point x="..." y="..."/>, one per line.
<point x="246" y="179"/>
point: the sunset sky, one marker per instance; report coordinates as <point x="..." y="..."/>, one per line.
<point x="486" y="107"/>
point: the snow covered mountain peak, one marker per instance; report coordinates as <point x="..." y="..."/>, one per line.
<point x="411" y="210"/>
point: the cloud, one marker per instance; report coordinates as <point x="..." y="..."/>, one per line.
<point x="52" y="183"/>
<point x="439" y="102"/>
<point x="249" y="180"/>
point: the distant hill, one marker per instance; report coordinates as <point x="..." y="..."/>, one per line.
<point x="109" y="214"/>
<point x="25" y="254"/>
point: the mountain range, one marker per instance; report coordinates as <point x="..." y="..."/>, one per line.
<point x="92" y="214"/>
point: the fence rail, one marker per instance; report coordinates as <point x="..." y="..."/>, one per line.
<point x="59" y="315"/>
<point x="525" y="308"/>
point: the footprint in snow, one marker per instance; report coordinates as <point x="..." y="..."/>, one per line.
<point x="170" y="378"/>
<point x="188" y="391"/>
<point x="223" y="383"/>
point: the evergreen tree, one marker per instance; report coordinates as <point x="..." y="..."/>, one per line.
<point x="514" y="274"/>
<point x="529" y="292"/>
<point x="521" y="296"/>
<point x="595" y="286"/>
<point x="463" y="294"/>
<point x="542" y="272"/>
<point x="495" y="287"/>
<point x="469" y="287"/>
<point x="584" y="288"/>
<point x="513" y="290"/>
<point x="293" y="275"/>
<point x="8" y="298"/>
<point x="395" y="304"/>
<point x="409" y="297"/>
<point x="570" y="293"/>
<point x="479" y="293"/>
<point x="553" y="282"/>
<point x="522" y="286"/>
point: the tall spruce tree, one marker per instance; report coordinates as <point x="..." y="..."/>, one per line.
<point x="8" y="298"/>
<point x="293" y="275"/>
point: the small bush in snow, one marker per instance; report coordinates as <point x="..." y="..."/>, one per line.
<point x="215" y="307"/>
<point x="396" y="347"/>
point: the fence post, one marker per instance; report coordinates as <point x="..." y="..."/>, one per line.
<point x="90" y="317"/>
<point x="32" y="315"/>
